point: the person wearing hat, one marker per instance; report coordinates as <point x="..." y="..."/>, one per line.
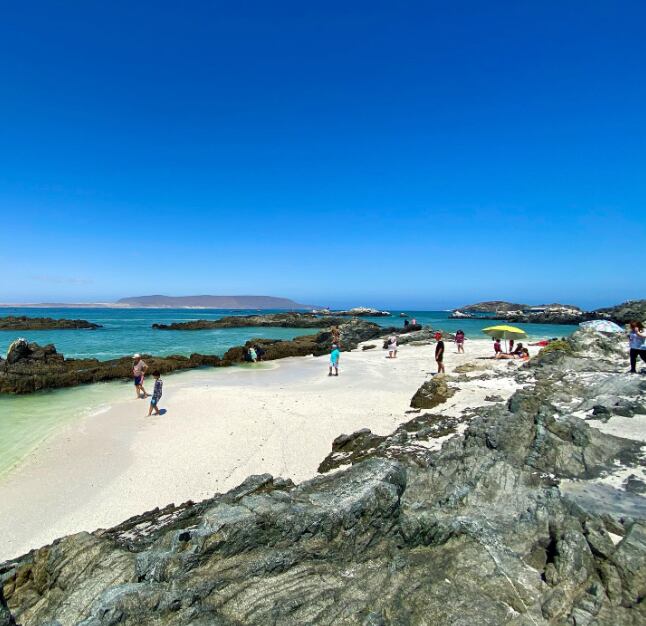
<point x="139" y="368"/>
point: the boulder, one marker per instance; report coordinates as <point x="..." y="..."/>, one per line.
<point x="433" y="393"/>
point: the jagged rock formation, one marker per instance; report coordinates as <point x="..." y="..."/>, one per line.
<point x="501" y="526"/>
<point x="30" y="367"/>
<point x="23" y="322"/>
<point x="275" y="320"/>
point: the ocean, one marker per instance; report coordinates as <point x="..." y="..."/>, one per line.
<point x="27" y="421"/>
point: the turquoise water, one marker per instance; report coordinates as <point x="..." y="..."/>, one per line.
<point x="27" y="421"/>
<point x="126" y="331"/>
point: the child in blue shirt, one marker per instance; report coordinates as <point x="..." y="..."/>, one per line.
<point x="157" y="393"/>
<point x="334" y="360"/>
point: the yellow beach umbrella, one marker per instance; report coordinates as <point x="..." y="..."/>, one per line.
<point x="504" y="332"/>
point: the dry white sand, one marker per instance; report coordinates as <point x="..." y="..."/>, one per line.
<point x="220" y="426"/>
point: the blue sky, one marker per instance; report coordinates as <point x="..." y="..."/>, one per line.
<point x="413" y="154"/>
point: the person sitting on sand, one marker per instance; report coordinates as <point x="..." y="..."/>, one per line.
<point x="392" y="347"/>
<point x="518" y="350"/>
<point x="523" y="354"/>
<point x="259" y="351"/>
<point x="439" y="353"/>
<point x="139" y="368"/>
<point x="459" y="341"/>
<point x="334" y="360"/>
<point x="157" y="393"/>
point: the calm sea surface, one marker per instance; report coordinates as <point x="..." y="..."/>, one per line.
<point x="26" y="421"/>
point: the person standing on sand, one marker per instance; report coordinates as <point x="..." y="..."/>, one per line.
<point x="157" y="393"/>
<point x="637" y="341"/>
<point x="138" y="372"/>
<point x="497" y="348"/>
<point x="392" y="347"/>
<point x="439" y="353"/>
<point x="334" y="360"/>
<point x="459" y="341"/>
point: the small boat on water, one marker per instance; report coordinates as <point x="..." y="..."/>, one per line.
<point x="403" y="315"/>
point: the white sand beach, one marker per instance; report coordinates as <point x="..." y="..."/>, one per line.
<point x="220" y="426"/>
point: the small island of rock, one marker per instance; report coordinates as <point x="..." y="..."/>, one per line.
<point x="22" y="322"/>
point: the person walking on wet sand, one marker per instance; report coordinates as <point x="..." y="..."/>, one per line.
<point x="138" y="372"/>
<point x="334" y="360"/>
<point x="439" y="353"/>
<point x="157" y="393"/>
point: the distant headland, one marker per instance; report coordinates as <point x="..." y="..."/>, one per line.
<point x="179" y="302"/>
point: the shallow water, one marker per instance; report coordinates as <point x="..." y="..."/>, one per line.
<point x="27" y="421"/>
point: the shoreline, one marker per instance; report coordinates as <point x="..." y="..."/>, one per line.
<point x="221" y="425"/>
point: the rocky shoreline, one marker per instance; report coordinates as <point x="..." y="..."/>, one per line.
<point x="30" y="367"/>
<point x="22" y="322"/>
<point x="507" y="523"/>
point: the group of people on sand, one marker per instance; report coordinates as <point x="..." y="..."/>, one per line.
<point x="518" y="352"/>
<point x="139" y="369"/>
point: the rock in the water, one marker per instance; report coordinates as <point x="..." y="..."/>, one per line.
<point x="269" y="320"/>
<point x="23" y="322"/>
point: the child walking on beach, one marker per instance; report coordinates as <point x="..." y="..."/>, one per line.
<point x="157" y="393"/>
<point x="334" y="360"/>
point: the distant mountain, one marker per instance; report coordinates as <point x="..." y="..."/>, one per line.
<point x="212" y="302"/>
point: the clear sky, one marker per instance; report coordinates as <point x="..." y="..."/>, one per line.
<point x="400" y="154"/>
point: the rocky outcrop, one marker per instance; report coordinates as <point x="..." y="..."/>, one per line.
<point x="432" y="393"/>
<point x="30" y="367"/>
<point x="359" y="311"/>
<point x="501" y="526"/>
<point x="352" y="332"/>
<point x="624" y="313"/>
<point x="270" y="320"/>
<point x="491" y="306"/>
<point x="23" y="322"/>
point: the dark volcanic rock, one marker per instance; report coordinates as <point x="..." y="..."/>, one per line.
<point x="30" y="367"/>
<point x="352" y="332"/>
<point x="482" y="532"/>
<point x="276" y="320"/>
<point x="491" y="306"/>
<point x="432" y="393"/>
<point x="43" y="323"/>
